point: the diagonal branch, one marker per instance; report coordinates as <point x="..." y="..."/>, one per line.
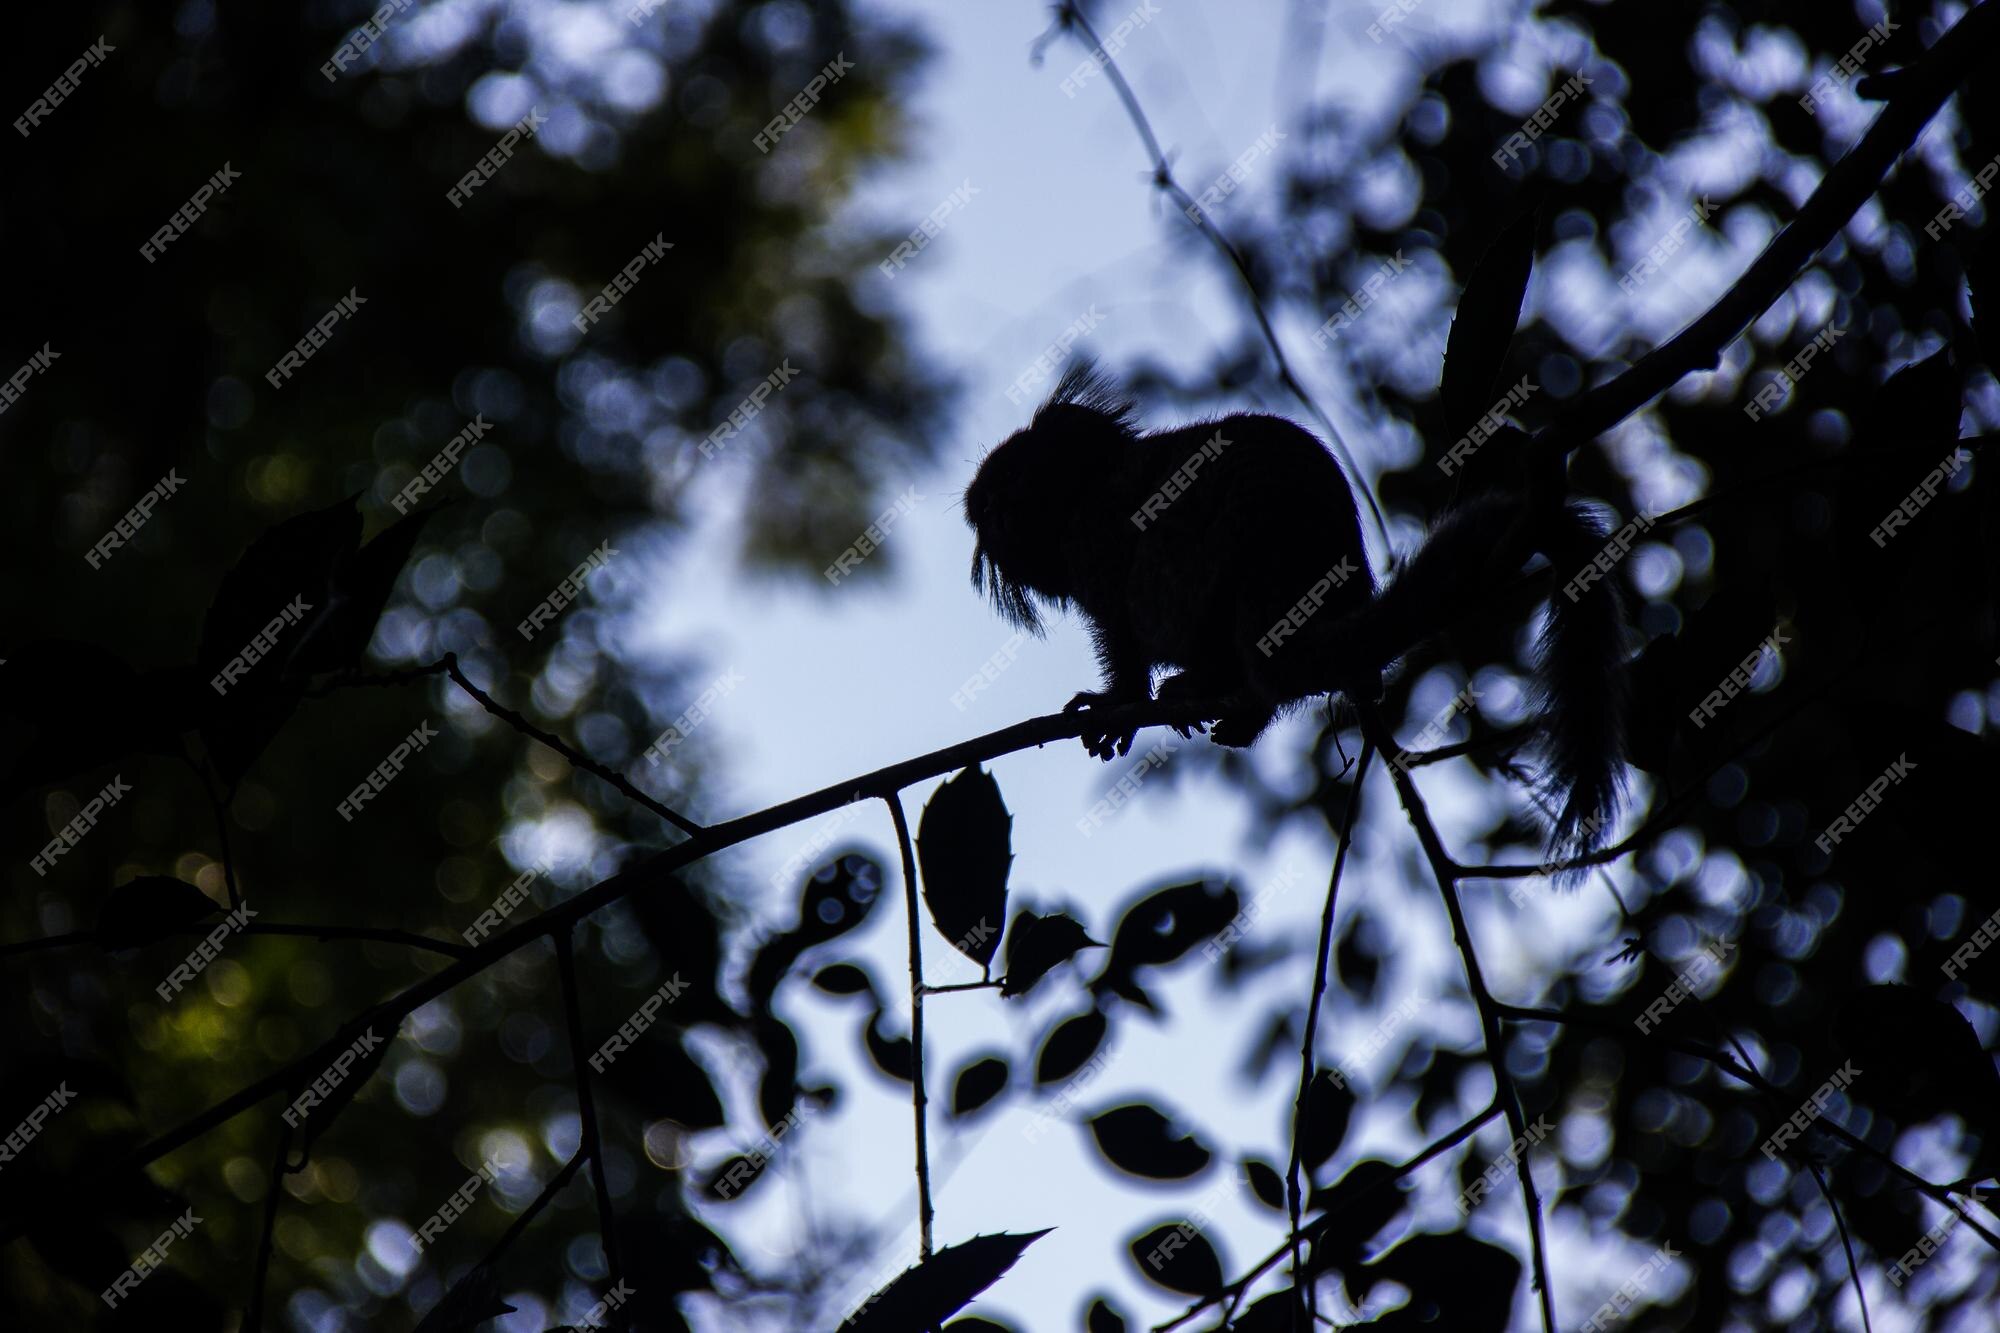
<point x="589" y="1133"/>
<point x="654" y="873"/>
<point x="1302" y="1285"/>
<point x="1504" y="1090"/>
<point x="556" y="743"/>
<point x="1919" y="91"/>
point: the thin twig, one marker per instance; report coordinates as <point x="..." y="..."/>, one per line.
<point x="1069" y="15"/>
<point x="1846" y="1244"/>
<point x="918" y="1102"/>
<point x="383" y="935"/>
<point x="532" y="1211"/>
<point x="556" y="743"/>
<point x="1375" y="729"/>
<point x="378" y="680"/>
<point x="253" y="1319"/>
<point x="957" y="986"/>
<point x="1303" y="1287"/>
<point x="590" y="1140"/>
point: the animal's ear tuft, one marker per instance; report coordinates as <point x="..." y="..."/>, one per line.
<point x="1083" y="385"/>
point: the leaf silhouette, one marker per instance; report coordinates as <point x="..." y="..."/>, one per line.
<point x="1074" y="1041"/>
<point x="1159" y="928"/>
<point x="1351" y="1210"/>
<point x="292" y="563"/>
<point x="1328" y="1107"/>
<point x="1178" y="1257"/>
<point x="1036" y="945"/>
<point x="1479" y="1298"/>
<point x="472" y="1300"/>
<point x="963" y="845"/>
<point x="1265" y="1183"/>
<point x="357" y="592"/>
<point x="1917" y="1057"/>
<point x="1142" y="1141"/>
<point x="892" y="1055"/>
<point x="925" y="1296"/>
<point x="1103" y="1319"/>
<point x="977" y="1084"/>
<point x="844" y="979"/>
<point x="149" y="908"/>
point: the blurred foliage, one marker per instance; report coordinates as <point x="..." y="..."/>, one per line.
<point x="649" y="117"/>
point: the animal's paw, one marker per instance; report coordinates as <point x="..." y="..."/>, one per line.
<point x="1239" y="729"/>
<point x="1183" y="689"/>
<point x="1107" y="745"/>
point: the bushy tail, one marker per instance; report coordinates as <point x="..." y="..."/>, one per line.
<point x="1581" y="684"/>
<point x="1580" y="678"/>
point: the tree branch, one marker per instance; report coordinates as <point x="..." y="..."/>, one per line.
<point x="556" y="743"/>
<point x="1304" y="1293"/>
<point x="1920" y="90"/>
<point x="1376" y="730"/>
<point x="918" y="1097"/>
<point x="589" y="1140"/>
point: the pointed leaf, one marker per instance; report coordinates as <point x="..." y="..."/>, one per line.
<point x="1265" y="1183"/>
<point x="472" y="1300"/>
<point x="1073" y="1042"/>
<point x="360" y="588"/>
<point x="1179" y="1258"/>
<point x="925" y="1296"/>
<point x="149" y="908"/>
<point x="963" y="844"/>
<point x="1141" y="1140"/>
<point x="1328" y="1107"/>
<point x="1479" y="1298"/>
<point x="836" y="898"/>
<point x="1353" y="1209"/>
<point x="1103" y="1318"/>
<point x="977" y="1084"/>
<point x="892" y="1055"/>
<point x="844" y="979"/>
<point x="1162" y="926"/>
<point x="1036" y="944"/>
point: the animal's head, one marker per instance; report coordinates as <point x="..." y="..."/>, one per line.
<point x="1041" y="488"/>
